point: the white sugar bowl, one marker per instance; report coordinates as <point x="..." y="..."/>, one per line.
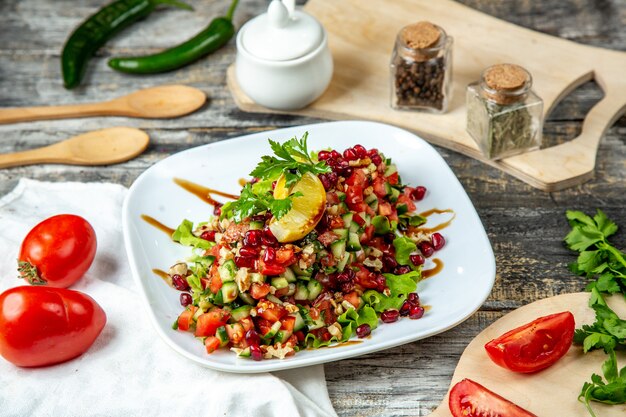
<point x="283" y="59"/>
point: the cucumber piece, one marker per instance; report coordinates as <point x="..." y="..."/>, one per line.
<point x="229" y="292"/>
<point x="315" y="288"/>
<point x="395" y="193"/>
<point x="402" y="209"/>
<point x="354" y="227"/>
<point x="227" y="270"/>
<point x="341" y="195"/>
<point x="341" y="265"/>
<point x="292" y="289"/>
<point x="222" y="335"/>
<point x="371" y="198"/>
<point x="316" y="324"/>
<point x="274" y="299"/>
<point x="367" y="218"/>
<point x="256" y="277"/>
<point x="289" y="275"/>
<point x="256" y="225"/>
<point x="218" y="298"/>
<point x="353" y="244"/>
<point x="347" y="219"/>
<point x="301" y="272"/>
<point x="279" y="283"/>
<point x="338" y="248"/>
<point x="247" y="298"/>
<point x="302" y="293"/>
<point x="374" y="205"/>
<point x="342" y="233"/>
<point x="244" y="353"/>
<point x="240" y="312"/>
<point x="282" y="336"/>
<point x="381" y="225"/>
<point x="391" y="169"/>
<point x="272" y="331"/>
<point x="299" y="324"/>
<point x="388" y="188"/>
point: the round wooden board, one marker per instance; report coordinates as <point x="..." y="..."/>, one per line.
<point x="552" y="392"/>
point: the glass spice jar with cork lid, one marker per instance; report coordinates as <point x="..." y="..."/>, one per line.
<point x="504" y="116"/>
<point x="421" y="66"/>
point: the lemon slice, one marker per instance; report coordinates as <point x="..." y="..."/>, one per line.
<point x="306" y="210"/>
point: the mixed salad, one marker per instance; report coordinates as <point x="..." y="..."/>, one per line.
<point x="319" y="246"/>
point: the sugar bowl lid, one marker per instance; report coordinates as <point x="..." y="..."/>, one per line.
<point x="282" y="33"/>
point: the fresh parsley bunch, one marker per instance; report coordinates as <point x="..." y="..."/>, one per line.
<point x="292" y="159"/>
<point x="613" y="391"/>
<point x="598" y="259"/>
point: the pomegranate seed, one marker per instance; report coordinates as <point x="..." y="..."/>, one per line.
<point x="427" y="249"/>
<point x="404" y="310"/>
<point x="389" y="261"/>
<point x="244" y="262"/>
<point x="180" y="283"/>
<point x="217" y="209"/>
<point x="185" y="299"/>
<point x="255" y="352"/>
<point x="335" y="155"/>
<point x="248" y="252"/>
<point x="269" y="256"/>
<point x="418" y="193"/>
<point x="400" y="270"/>
<point x="323" y="155"/>
<point x="346" y="287"/>
<point x="381" y="283"/>
<point x="347" y="172"/>
<point x="376" y="159"/>
<point x="342" y="165"/>
<point x="252" y="337"/>
<point x="363" y="330"/>
<point x="343" y="277"/>
<point x="417" y="260"/>
<point x="326" y="181"/>
<point x="389" y="316"/>
<point x="372" y="152"/>
<point x="208" y="235"/>
<point x="350" y="154"/>
<point x="414" y="298"/>
<point x="252" y="238"/>
<point x="361" y="152"/>
<point x="437" y="241"/>
<point x="268" y="238"/>
<point x="416" y="312"/>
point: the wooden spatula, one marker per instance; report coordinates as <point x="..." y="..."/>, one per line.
<point x="154" y="103"/>
<point x="549" y="393"/>
<point x="100" y="147"/>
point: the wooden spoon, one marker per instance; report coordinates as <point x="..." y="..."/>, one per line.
<point x="156" y="102"/>
<point x="554" y="391"/>
<point x="100" y="147"/>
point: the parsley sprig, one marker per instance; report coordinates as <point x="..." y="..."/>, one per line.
<point x="598" y="259"/>
<point x="292" y="159"/>
<point x="608" y="332"/>
<point x="253" y="201"/>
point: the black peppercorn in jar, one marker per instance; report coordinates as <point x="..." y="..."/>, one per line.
<point x="421" y="66"/>
<point x="504" y="116"/>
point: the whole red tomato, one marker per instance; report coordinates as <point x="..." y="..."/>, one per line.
<point x="58" y="251"/>
<point x="43" y="326"/>
<point x="470" y="399"/>
<point x="535" y="345"/>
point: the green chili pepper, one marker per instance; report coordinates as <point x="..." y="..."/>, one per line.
<point x="99" y="28"/>
<point x="214" y="36"/>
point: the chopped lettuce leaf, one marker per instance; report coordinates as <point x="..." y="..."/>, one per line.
<point x="399" y="286"/>
<point x="404" y="247"/>
<point x="184" y="236"/>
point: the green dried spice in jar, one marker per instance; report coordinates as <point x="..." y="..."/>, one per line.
<point x="504" y="116"/>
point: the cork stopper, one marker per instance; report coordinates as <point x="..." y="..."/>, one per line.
<point x="421" y="35"/>
<point x="506" y="83"/>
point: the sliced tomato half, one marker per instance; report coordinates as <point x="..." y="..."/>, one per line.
<point x="470" y="399"/>
<point x="534" y="346"/>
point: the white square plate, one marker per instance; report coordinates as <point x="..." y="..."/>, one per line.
<point x="454" y="294"/>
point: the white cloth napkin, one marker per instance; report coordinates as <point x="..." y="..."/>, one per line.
<point x="128" y="371"/>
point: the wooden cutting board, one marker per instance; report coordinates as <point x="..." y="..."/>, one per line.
<point x="362" y="34"/>
<point x="554" y="391"/>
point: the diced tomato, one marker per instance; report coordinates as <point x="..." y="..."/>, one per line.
<point x="271" y="269"/>
<point x="353" y="298"/>
<point x="380" y="244"/>
<point x="293" y="341"/>
<point x="214" y="251"/>
<point x="205" y="282"/>
<point x="379" y="187"/>
<point x="271" y="311"/>
<point x="366" y="278"/>
<point x="209" y="322"/>
<point x="235" y="333"/>
<point x="393" y="178"/>
<point x="368" y="234"/>
<point x="287" y="323"/>
<point x="186" y="318"/>
<point x="326" y="311"/>
<point x="247" y="323"/>
<point x="384" y="208"/>
<point x="285" y="256"/>
<point x="216" y="280"/>
<point x="332" y="198"/>
<point x="282" y="292"/>
<point x="403" y="199"/>
<point x="335" y="222"/>
<point x="299" y="335"/>
<point x="358" y="219"/>
<point x="263" y="325"/>
<point x="258" y="291"/>
<point x="314" y="313"/>
<point x="358" y="179"/>
<point x="211" y="343"/>
<point x="354" y="197"/>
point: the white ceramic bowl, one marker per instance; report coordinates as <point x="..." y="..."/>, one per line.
<point x="454" y="294"/>
<point x="284" y="85"/>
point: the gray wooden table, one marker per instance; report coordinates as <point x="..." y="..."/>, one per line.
<point x="526" y="226"/>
